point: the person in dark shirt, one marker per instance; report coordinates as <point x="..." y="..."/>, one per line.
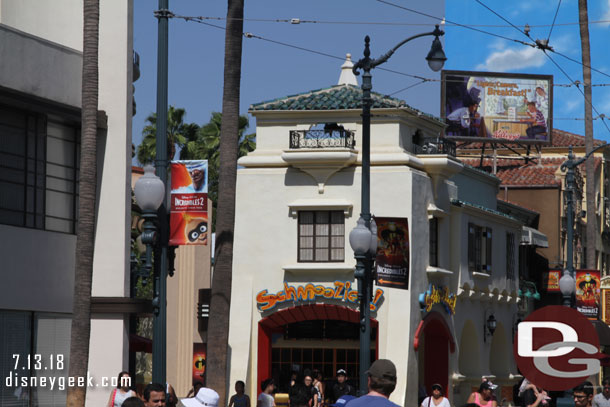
<point x="342" y="388"/>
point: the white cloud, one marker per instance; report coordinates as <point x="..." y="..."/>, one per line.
<point x="571" y="104"/>
<point x="513" y="58"/>
<point x="606" y="15"/>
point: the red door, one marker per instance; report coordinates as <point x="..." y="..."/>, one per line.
<point x="436" y="357"/>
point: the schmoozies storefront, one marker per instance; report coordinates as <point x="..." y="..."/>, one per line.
<point x="298" y="326"/>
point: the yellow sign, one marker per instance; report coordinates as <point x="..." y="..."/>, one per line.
<point x="341" y="291"/>
<point x="438" y="295"/>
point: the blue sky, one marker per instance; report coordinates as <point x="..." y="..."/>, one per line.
<point x="271" y="70"/>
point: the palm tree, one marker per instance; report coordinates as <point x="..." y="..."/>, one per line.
<point x="590" y="231"/>
<point x="206" y="146"/>
<point x="178" y="134"/>
<point x="81" y="315"/>
<point x="218" y="328"/>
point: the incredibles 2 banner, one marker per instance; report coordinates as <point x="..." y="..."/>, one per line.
<point x="393" y="252"/>
<point x="587" y="292"/>
<point x="189" y="203"/>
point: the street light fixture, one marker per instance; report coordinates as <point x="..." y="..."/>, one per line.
<point x="364" y="261"/>
<point x="567" y="282"/>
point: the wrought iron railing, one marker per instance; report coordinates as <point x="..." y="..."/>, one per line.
<point x="322" y="139"/>
<point x="436" y="146"/>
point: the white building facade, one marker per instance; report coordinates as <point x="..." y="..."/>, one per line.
<point x="40" y="99"/>
<point x="298" y="197"/>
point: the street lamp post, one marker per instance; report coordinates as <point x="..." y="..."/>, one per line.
<point x="567" y="282"/>
<point x="364" y="253"/>
<point x="161" y="255"/>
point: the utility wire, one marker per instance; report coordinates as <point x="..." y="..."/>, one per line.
<point x="408" y="87"/>
<point x="580" y="90"/>
<point x="297" y="21"/>
<point x="580" y="63"/>
<point x="555" y="63"/>
<point x="457" y="24"/>
<point x="505" y="20"/>
<point x="422" y="79"/>
<point x="554" y="18"/>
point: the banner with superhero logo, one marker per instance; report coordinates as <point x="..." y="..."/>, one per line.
<point x="189" y="203"/>
<point x="393" y="252"/>
<point x="587" y="292"/>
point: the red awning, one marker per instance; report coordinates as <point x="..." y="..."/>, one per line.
<point x="139" y="344"/>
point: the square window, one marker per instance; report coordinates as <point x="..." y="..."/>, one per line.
<point x="321" y="236"/>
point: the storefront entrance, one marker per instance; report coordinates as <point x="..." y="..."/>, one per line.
<point x="433" y="341"/>
<point x="318" y="336"/>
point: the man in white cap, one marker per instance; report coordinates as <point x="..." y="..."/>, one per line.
<point x="197" y="170"/>
<point x="205" y="397"/>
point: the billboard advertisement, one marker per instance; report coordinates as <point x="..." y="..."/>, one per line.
<point x="189" y="203"/>
<point x="392" y="252"/>
<point x="497" y="106"/>
<point x="587" y="293"/>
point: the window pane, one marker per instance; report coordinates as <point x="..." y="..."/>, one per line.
<point x="337" y="241"/>
<point x="337" y="229"/>
<point x="60" y="131"/>
<point x="59" y="204"/>
<point x="15" y="338"/>
<point x="306" y="230"/>
<point x="59" y="225"/>
<point x="322" y="230"/>
<point x="12" y="196"/>
<point x="306" y="255"/>
<point x="321" y="254"/>
<point x="321" y="242"/>
<point x="60" y="152"/>
<point x="306" y="242"/>
<point x="305" y="217"/>
<point x="337" y="254"/>
<point x="322" y="217"/>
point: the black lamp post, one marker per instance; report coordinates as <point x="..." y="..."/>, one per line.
<point x="567" y="282"/>
<point x="363" y="252"/>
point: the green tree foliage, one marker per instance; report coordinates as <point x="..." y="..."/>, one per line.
<point x="179" y="134"/>
<point x="206" y="147"/>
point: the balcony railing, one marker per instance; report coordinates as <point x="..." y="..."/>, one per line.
<point x="436" y="146"/>
<point x="321" y="139"/>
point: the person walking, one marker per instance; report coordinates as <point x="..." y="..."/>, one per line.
<point x="342" y="387"/>
<point x="239" y="399"/>
<point x="583" y="395"/>
<point x="603" y="399"/>
<point x="437" y="399"/>
<point x="154" y="395"/>
<point x="205" y="397"/>
<point x="318" y="386"/>
<point x="122" y="390"/>
<point x="381" y="383"/>
<point x="484" y="396"/>
<point x="265" y="399"/>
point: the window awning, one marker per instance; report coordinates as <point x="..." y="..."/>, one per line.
<point x="533" y="237"/>
<point x="603" y="332"/>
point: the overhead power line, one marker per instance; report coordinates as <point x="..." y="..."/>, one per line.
<point x="544" y="47"/>
<point x="297" y="21"/>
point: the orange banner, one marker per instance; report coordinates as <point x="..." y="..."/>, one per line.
<point x="189" y="203"/>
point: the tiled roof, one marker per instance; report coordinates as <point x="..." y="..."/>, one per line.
<point x="458" y="202"/>
<point x="338" y="97"/>
<point x="537" y="172"/>
<point x="560" y="139"/>
<point x="517" y="172"/>
<point x="565" y="139"/>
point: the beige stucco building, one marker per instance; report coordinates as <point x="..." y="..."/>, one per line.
<point x="306" y="170"/>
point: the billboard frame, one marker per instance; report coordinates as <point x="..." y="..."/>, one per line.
<point x="491" y="140"/>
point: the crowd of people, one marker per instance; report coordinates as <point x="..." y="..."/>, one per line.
<point x="309" y="390"/>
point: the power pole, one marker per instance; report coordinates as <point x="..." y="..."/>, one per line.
<point x="591" y="231"/>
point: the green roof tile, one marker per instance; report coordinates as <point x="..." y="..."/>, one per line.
<point x="339" y="97"/>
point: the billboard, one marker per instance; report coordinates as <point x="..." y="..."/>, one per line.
<point x="392" y="252"/>
<point x="497" y="106"/>
<point x="587" y="293"/>
<point x="189" y="203"/>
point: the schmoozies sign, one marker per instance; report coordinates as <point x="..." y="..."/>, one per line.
<point x="341" y="291"/>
